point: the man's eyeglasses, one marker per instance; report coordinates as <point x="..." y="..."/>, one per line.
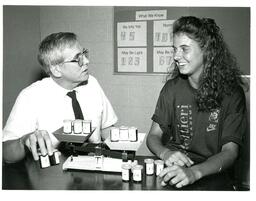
<point x="79" y="58"/>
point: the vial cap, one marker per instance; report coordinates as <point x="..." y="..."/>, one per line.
<point x="149" y="160"/>
<point x="137" y="167"/>
<point x="159" y="162"/>
<point x="126" y="166"/>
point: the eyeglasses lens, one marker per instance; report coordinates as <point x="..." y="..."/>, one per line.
<point x="81" y="57"/>
<point x="80" y="60"/>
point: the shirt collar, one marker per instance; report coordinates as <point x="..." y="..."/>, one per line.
<point x="57" y="88"/>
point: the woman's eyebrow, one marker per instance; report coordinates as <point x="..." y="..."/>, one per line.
<point x="184" y="46"/>
<point x="180" y="46"/>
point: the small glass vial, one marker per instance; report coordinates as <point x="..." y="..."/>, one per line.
<point x="159" y="166"/>
<point x="137" y="173"/>
<point x="149" y="166"/>
<point x="87" y="126"/>
<point x="114" y="134"/>
<point x="44" y="161"/>
<point x="125" y="156"/>
<point x="135" y="162"/>
<point x="54" y="158"/>
<point x="126" y="172"/>
<point x="133" y="134"/>
<point x="77" y="126"/>
<point x="123" y="133"/>
<point x="67" y="126"/>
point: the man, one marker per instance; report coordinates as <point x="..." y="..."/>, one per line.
<point x="41" y="107"/>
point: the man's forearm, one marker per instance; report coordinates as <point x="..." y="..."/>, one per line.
<point x="13" y="151"/>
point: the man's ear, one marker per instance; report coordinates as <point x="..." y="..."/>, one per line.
<point x="55" y="70"/>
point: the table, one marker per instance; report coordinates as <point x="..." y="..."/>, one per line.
<point x="27" y="175"/>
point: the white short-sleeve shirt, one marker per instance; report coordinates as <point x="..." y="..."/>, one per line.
<point x="47" y="103"/>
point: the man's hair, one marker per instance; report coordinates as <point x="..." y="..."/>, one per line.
<point x="221" y="74"/>
<point x="50" y="49"/>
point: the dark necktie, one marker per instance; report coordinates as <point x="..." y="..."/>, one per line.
<point x="75" y="104"/>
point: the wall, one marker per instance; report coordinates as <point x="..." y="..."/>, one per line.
<point x="21" y="35"/>
<point x="235" y="25"/>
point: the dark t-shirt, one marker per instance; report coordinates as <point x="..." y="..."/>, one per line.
<point x="198" y="134"/>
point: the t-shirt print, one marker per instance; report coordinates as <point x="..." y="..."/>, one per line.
<point x="213" y="120"/>
<point x="184" y="124"/>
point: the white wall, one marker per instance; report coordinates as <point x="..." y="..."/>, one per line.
<point x="133" y="97"/>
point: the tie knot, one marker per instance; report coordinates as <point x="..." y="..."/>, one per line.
<point x="72" y="94"/>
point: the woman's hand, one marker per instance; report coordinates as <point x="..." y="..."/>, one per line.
<point x="178" y="176"/>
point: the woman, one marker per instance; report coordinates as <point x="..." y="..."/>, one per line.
<point x="200" y="115"/>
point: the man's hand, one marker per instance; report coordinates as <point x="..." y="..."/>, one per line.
<point x="176" y="157"/>
<point x="39" y="139"/>
<point x="178" y="176"/>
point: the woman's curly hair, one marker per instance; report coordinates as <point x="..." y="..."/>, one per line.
<point x="221" y="74"/>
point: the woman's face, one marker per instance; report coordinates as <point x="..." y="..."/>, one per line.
<point x="188" y="56"/>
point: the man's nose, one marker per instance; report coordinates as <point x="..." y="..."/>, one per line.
<point x="86" y="61"/>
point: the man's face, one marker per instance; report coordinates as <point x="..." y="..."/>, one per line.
<point x="72" y="72"/>
<point x="188" y="55"/>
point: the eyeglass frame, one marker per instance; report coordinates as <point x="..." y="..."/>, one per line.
<point x="79" y="56"/>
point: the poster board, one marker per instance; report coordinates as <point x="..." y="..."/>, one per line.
<point x="143" y="42"/>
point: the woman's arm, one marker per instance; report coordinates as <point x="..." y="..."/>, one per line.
<point x="155" y="145"/>
<point x="154" y="141"/>
<point x="182" y="176"/>
<point x="218" y="162"/>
